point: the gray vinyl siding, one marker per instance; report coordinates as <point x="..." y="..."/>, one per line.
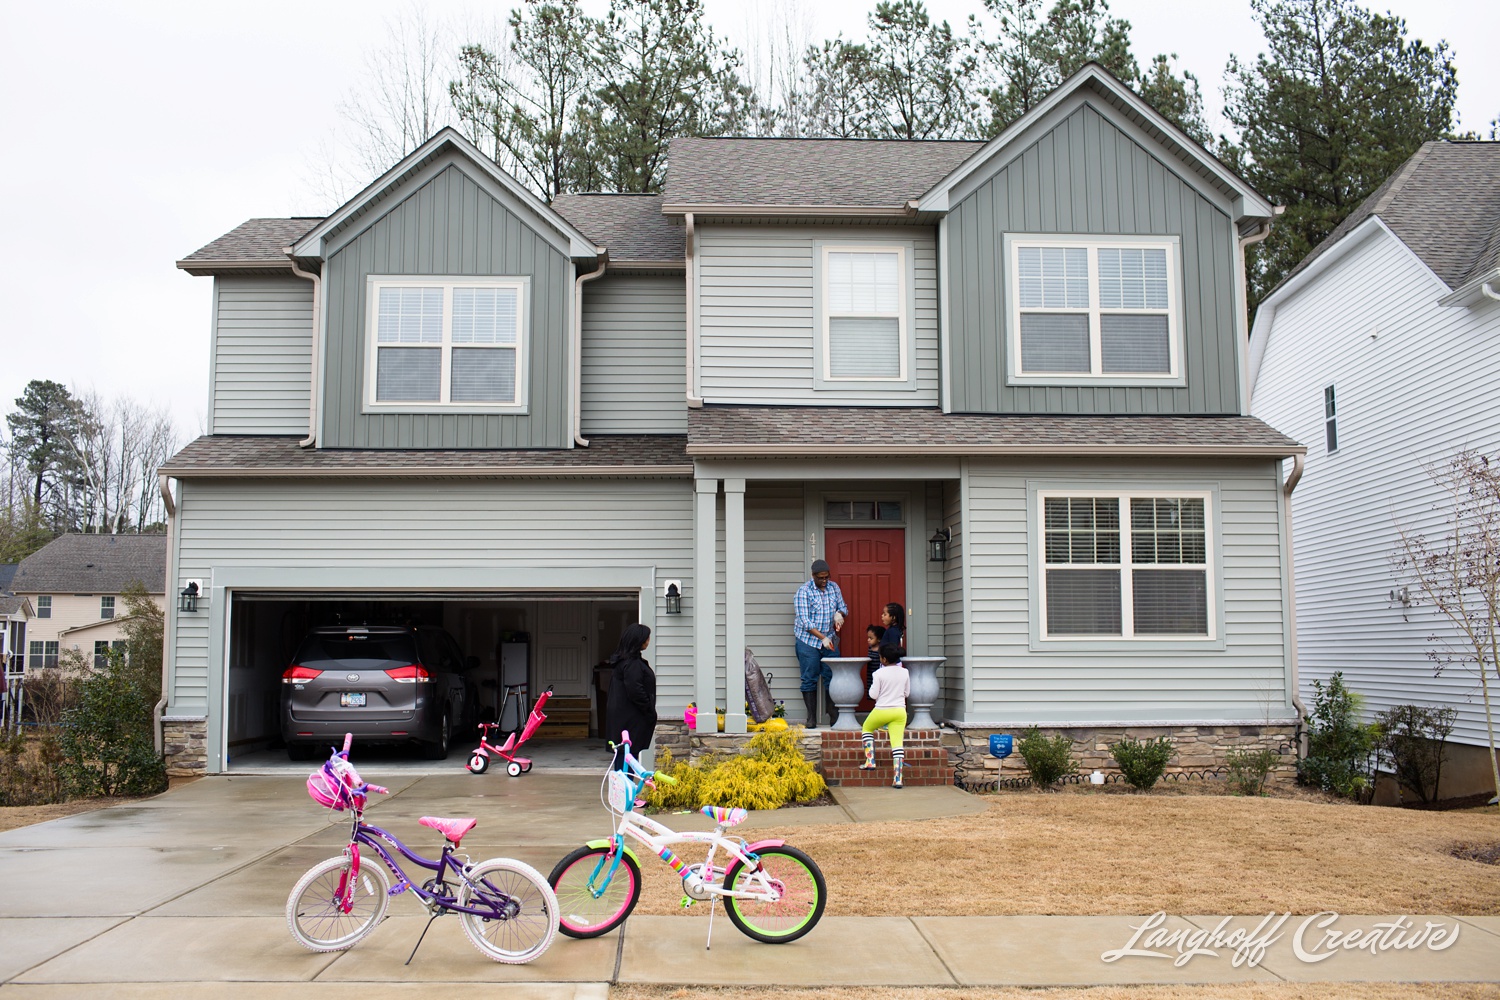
<point x="773" y="571"/>
<point x="635" y="355"/>
<point x="1088" y="177"/>
<point x="757" y="307"/>
<point x="951" y="593"/>
<point x="261" y="367"/>
<point x="392" y="527"/>
<point x="1122" y="681"/>
<point x="448" y="226"/>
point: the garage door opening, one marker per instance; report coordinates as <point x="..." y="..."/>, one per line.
<point x="508" y="648"/>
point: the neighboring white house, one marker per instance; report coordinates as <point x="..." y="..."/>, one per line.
<point x="1381" y="351"/>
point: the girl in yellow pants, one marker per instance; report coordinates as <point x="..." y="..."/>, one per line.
<point x="890" y="687"/>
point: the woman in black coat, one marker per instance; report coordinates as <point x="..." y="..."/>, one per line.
<point x="631" y="706"/>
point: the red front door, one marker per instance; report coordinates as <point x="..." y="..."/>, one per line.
<point x="869" y="565"/>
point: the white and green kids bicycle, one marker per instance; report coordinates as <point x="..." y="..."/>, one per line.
<point x="771" y="891"/>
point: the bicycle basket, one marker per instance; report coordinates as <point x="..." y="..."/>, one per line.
<point x="328" y="791"/>
<point x="620" y="800"/>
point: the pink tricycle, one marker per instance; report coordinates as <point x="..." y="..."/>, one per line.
<point x="479" y="760"/>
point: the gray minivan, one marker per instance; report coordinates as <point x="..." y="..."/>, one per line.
<point x="383" y="683"/>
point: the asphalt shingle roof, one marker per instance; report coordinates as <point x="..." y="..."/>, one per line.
<point x="280" y="456"/>
<point x="7" y="571"/>
<point x="825" y="430"/>
<point x="10" y="605"/>
<point x="255" y="241"/>
<point x="863" y="173"/>
<point x="94" y="564"/>
<point x="1444" y="204"/>
<point x="630" y="226"/>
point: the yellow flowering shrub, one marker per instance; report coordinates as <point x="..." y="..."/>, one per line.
<point x="770" y="774"/>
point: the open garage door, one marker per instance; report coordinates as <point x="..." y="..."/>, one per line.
<point x="504" y="643"/>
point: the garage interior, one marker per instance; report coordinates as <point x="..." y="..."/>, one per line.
<point x="523" y="643"/>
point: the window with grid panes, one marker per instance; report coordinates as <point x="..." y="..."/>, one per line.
<point x="1144" y="574"/>
<point x="106" y="606"/>
<point x="41" y="654"/>
<point x="44" y="606"/>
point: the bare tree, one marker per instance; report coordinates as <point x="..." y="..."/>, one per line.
<point x="119" y="445"/>
<point x="1458" y="574"/>
<point x="778" y="34"/>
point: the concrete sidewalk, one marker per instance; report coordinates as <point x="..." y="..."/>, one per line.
<point x="185" y="891"/>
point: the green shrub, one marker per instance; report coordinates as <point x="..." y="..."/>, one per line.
<point x="1249" y="770"/>
<point x="1338" y="744"/>
<point x="107" y="743"/>
<point x="1047" y="760"/>
<point x="1414" y="738"/>
<point x="1143" y="763"/>
<point x="770" y="774"/>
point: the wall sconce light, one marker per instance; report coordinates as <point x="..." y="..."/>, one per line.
<point x="937" y="545"/>
<point x="188" y="599"/>
<point x="673" y="594"/>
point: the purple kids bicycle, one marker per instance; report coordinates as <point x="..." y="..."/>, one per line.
<point x="507" y="909"/>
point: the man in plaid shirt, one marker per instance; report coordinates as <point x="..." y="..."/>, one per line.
<point x="819" y="613"/>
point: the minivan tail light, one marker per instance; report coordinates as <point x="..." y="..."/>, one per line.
<point x="298" y="674"/>
<point x="412" y="674"/>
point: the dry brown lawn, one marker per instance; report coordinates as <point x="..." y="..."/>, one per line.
<point x="1245" y="991"/>
<point x="1083" y="854"/>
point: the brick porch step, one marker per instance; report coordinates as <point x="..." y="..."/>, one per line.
<point x="843" y="752"/>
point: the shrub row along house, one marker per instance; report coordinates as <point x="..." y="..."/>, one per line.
<point x="1003" y="384"/>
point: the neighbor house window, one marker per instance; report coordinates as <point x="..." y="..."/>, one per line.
<point x="101" y="651"/>
<point x="447" y="343"/>
<point x="42" y="654"/>
<point x="864" y="313"/>
<point x="1094" y="308"/>
<point x="1125" y="565"/>
<point x="106" y="607"/>
<point x="1330" y="420"/>
<point x="44" y="606"/>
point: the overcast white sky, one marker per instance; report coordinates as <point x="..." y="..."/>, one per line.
<point x="136" y="132"/>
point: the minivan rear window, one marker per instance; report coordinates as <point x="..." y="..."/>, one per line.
<point x="348" y="648"/>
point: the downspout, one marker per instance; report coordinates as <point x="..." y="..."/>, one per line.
<point x="578" y="437"/>
<point x="312" y="389"/>
<point x="1489" y="292"/>
<point x="1298" y="462"/>
<point x="1246" y="242"/>
<point x="163" y="483"/>
<point x="694" y="400"/>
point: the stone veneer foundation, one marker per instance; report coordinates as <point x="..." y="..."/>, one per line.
<point x="1199" y="748"/>
<point x="184" y="742"/>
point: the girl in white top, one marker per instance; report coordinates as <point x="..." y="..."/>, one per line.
<point x="889" y="687"/>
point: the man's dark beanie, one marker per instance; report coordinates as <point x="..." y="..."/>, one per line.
<point x="820" y="566"/>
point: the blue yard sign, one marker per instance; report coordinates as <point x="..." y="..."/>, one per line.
<point x="1001" y="745"/>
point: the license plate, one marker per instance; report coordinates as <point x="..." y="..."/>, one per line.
<point x="352" y="699"/>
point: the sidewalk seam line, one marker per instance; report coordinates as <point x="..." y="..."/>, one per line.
<point x="619" y="953"/>
<point x="79" y="944"/>
<point x="1264" y="968"/>
<point x="935" y="953"/>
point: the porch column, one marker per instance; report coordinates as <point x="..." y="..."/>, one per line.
<point x="705" y="602"/>
<point x="734" y="605"/>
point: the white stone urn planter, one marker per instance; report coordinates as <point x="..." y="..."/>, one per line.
<point x="924" y="690"/>
<point x="846" y="688"/>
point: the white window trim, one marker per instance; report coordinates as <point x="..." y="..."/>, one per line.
<point x="375" y="282"/>
<point x="112" y="607"/>
<point x="44" y="610"/>
<point x="1127" y="582"/>
<point x="903" y="316"/>
<point x="1096" y="375"/>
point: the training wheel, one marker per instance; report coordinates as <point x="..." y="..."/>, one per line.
<point x="513" y="769"/>
<point x="478" y="764"/>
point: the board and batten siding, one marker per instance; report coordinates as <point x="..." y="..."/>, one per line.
<point x="757" y="304"/>
<point x="388" y="527"/>
<point x="449" y="226"/>
<point x="1414" y="384"/>
<point x="261" y="366"/>
<point x="1088" y="177"/>
<point x="1246" y="681"/>
<point x="635" y="355"/>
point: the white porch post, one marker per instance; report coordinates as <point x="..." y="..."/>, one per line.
<point x="734" y="605"/>
<point x="705" y="602"/>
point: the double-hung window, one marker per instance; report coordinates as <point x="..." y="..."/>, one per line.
<point x="44" y="606"/>
<point x="1125" y="565"/>
<point x="864" y="335"/>
<point x="107" y="606"/>
<point x="42" y="654"/>
<point x="455" y="344"/>
<point x="1094" y="309"/>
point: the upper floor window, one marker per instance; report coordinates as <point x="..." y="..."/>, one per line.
<point x="44" y="606"/>
<point x="455" y="344"/>
<point x="864" y="322"/>
<point x="1330" y="420"/>
<point x="107" y="606"/>
<point x="1085" y="308"/>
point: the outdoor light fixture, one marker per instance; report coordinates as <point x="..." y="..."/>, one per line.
<point x="188" y="599"/>
<point x="674" y="597"/>
<point x="937" y="545"/>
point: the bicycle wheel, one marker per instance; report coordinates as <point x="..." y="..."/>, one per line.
<point x="581" y="914"/>
<point x="528" y="909"/>
<point x="798" y="884"/>
<point x="313" y="912"/>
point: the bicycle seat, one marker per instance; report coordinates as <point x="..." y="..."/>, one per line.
<point x="453" y="829"/>
<point x="726" y="817"/>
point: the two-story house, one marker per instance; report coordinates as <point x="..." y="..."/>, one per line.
<point x="1002" y="384"/>
<point x="1382" y="349"/>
